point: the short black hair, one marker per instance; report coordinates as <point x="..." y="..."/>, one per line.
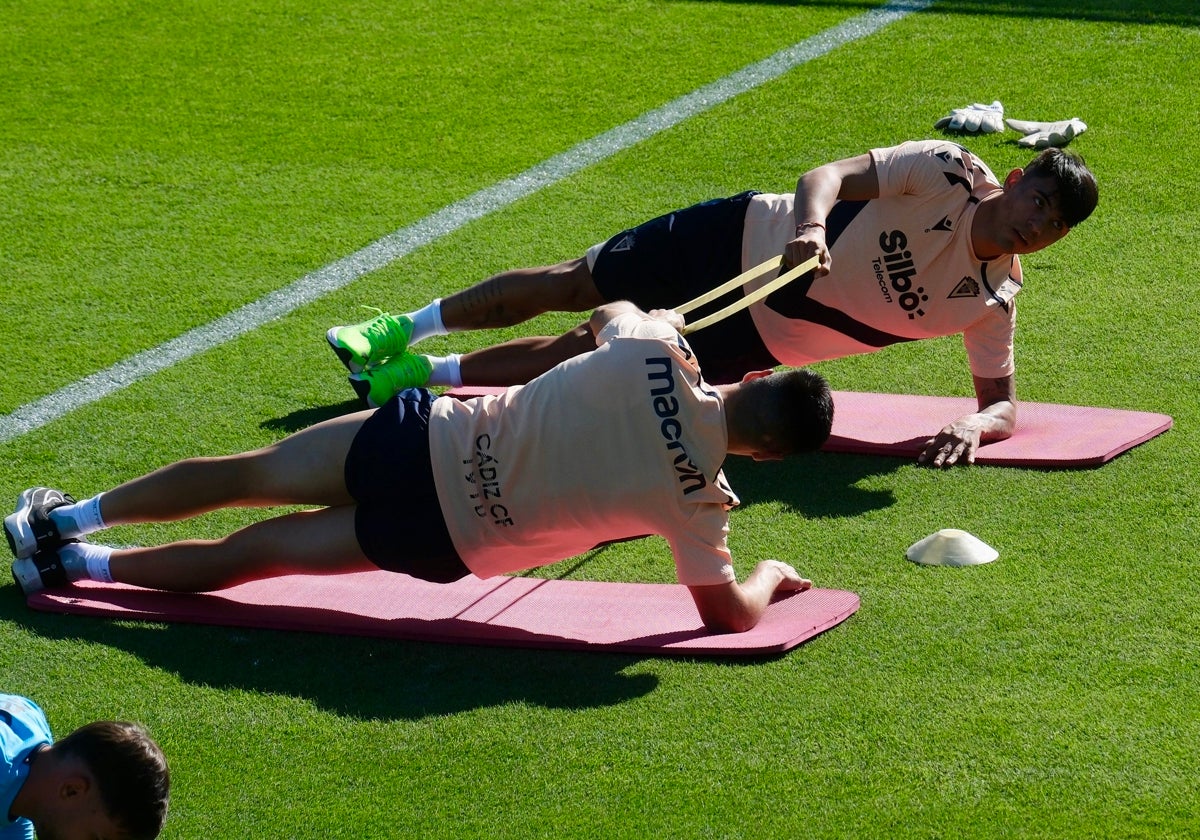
<point x="1077" y="190"/>
<point x="794" y="409"/>
<point x="130" y="772"/>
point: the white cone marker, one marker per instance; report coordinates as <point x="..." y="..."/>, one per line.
<point x="951" y="547"/>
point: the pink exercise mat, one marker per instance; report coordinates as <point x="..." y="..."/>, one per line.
<point x="642" y="618"/>
<point x="1049" y="435"/>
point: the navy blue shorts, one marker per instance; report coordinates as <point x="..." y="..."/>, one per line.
<point x="399" y="522"/>
<point x="670" y="260"/>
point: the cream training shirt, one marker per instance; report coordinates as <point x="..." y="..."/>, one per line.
<point x="621" y="442"/>
<point x="903" y="266"/>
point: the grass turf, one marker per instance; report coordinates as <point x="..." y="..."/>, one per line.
<point x="164" y="166"/>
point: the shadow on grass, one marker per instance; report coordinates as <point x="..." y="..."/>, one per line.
<point x="302" y="418"/>
<point x="362" y="678"/>
<point x="819" y="484"/>
<point x="1170" y="12"/>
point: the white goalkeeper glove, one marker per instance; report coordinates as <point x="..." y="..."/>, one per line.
<point x="1039" y="135"/>
<point x="974" y="119"/>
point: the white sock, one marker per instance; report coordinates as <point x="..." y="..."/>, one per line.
<point x="78" y="519"/>
<point x="85" y="561"/>
<point x="427" y="322"/>
<point x="445" y="371"/>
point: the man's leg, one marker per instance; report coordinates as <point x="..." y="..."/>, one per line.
<point x="514" y="296"/>
<point x="520" y="360"/>
<point x="304" y="468"/>
<point x="309" y="542"/>
<point x="502" y="300"/>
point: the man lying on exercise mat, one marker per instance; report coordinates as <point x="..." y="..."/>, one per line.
<point x="915" y="241"/>
<point x="624" y="441"/>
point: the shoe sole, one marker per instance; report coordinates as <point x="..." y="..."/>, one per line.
<point x="344" y="355"/>
<point x="362" y="387"/>
<point x="17" y="529"/>
<point x="22" y="570"/>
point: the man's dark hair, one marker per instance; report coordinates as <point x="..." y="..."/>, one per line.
<point x="794" y="409"/>
<point x="129" y="770"/>
<point x="1077" y="190"/>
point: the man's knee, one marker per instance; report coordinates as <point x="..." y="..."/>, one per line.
<point x="578" y="340"/>
<point x="570" y="285"/>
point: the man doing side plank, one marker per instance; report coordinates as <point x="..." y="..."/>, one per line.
<point x="624" y="441"/>
<point x="915" y="241"/>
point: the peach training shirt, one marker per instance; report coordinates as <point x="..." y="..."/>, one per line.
<point x="903" y="266"/>
<point x="621" y="442"/>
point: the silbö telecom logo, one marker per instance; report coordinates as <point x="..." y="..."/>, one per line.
<point x="896" y="272"/>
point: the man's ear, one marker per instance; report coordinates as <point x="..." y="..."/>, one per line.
<point x="74" y="786"/>
<point x="1010" y="180"/>
<point x="756" y="374"/>
<point x="767" y="455"/>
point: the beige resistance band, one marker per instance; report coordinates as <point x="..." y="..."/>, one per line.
<point x="760" y="270"/>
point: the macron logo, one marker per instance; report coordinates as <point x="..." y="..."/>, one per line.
<point x="666" y="407"/>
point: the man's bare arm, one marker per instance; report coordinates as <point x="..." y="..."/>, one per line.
<point x="996" y="420"/>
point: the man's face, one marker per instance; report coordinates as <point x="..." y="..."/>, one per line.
<point x="1030" y="218"/>
<point x="90" y="823"/>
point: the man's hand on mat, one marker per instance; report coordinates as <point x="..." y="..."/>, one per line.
<point x="995" y="420"/>
<point x="669" y="316"/>
<point x="736" y="607"/>
<point x="955" y="443"/>
<point x="791" y="582"/>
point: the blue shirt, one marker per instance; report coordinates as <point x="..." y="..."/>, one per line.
<point x="23" y="728"/>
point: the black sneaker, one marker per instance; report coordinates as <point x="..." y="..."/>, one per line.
<point x="29" y="529"/>
<point x="44" y="570"/>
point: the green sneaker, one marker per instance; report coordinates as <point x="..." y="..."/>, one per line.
<point x="379" y="383"/>
<point x="370" y="342"/>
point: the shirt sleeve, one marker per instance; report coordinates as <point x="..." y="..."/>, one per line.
<point x="916" y="167"/>
<point x="23" y="727"/>
<point x="22" y="829"/>
<point x="989" y="341"/>
<point x="701" y="550"/>
<point x="989" y="344"/>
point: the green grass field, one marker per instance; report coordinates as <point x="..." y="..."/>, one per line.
<point x="162" y="165"/>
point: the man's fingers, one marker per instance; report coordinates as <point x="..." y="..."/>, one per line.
<point x="942" y="452"/>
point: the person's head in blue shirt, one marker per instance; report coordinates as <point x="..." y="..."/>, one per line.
<point x="105" y="781"/>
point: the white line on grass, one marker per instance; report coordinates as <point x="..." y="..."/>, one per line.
<point x="395" y="245"/>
